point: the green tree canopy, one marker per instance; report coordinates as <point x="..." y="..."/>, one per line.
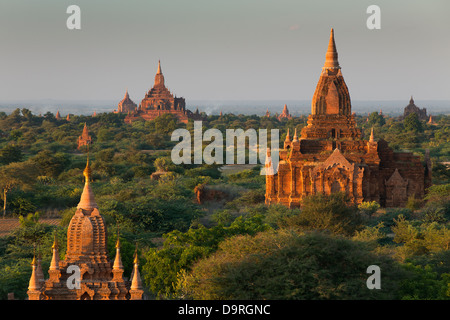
<point x="287" y="265"/>
<point x="412" y="123"/>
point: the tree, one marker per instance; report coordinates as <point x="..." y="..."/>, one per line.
<point x="163" y="164"/>
<point x="284" y="265"/>
<point x="412" y="123"/>
<point x="51" y="164"/>
<point x="16" y="174"/>
<point x="327" y="212"/>
<point x="10" y="153"/>
<point x="181" y="250"/>
<point x="376" y="119"/>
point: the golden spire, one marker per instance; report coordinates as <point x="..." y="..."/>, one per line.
<point x="34" y="281"/>
<point x="331" y="57"/>
<point x="87" y="171"/>
<point x="54" y="264"/>
<point x="159" y="67"/>
<point x="118" y="261"/>
<point x="87" y="200"/>
<point x="136" y="282"/>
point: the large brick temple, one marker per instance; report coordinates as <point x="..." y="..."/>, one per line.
<point x="331" y="156"/>
<point x="99" y="278"/>
<point x="157" y="101"/>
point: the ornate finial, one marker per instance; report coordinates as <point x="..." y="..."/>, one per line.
<point x="331" y="57"/>
<point x="159" y="67"/>
<point x="136" y="260"/>
<point x="55" y="241"/>
<point x="118" y="240"/>
<point x="371" y="139"/>
<point x="87" y="171"/>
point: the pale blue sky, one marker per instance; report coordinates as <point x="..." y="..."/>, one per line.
<point x="234" y="49"/>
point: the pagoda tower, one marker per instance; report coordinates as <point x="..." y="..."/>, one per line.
<point x="331" y="156"/>
<point x="85" y="139"/>
<point x="158" y="101"/>
<point x="86" y="255"/>
<point x="284" y="115"/>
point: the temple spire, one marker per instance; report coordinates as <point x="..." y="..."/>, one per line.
<point x="54" y="265"/>
<point x="295" y="139"/>
<point x="159" y="77"/>
<point x="34" y="284"/>
<point x="136" y="282"/>
<point x="159" y="67"/>
<point x="331" y="57"/>
<point x="371" y="139"/>
<point x="288" y="137"/>
<point x="118" y="261"/>
<point x="87" y="200"/>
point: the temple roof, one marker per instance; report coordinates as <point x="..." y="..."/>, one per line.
<point x="126" y="100"/>
<point x="331" y="95"/>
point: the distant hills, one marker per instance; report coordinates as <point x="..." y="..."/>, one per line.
<point x="247" y="107"/>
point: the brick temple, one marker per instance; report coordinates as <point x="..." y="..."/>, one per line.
<point x="100" y="278"/>
<point x="284" y="114"/>
<point x="85" y="139"/>
<point x="412" y="108"/>
<point x="157" y="101"/>
<point x="331" y="156"/>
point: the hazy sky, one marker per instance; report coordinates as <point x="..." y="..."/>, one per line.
<point x="230" y="49"/>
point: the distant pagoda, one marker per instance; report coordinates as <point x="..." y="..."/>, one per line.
<point x="412" y="108"/>
<point x="285" y="114"/>
<point x="85" y="139"/>
<point x="126" y="105"/>
<point x="157" y="101"/>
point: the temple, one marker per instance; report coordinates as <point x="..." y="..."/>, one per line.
<point x="331" y="156"/>
<point x="157" y="101"/>
<point x="285" y="114"/>
<point x="99" y="278"/>
<point x="85" y="139"/>
<point x="126" y="105"/>
<point x="412" y="108"/>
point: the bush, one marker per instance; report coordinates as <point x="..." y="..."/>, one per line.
<point x="327" y="212"/>
<point x="369" y="208"/>
<point x="286" y="265"/>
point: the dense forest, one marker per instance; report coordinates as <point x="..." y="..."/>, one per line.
<point x="232" y="247"/>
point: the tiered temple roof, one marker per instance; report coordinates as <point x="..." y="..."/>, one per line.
<point x="158" y="101"/>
